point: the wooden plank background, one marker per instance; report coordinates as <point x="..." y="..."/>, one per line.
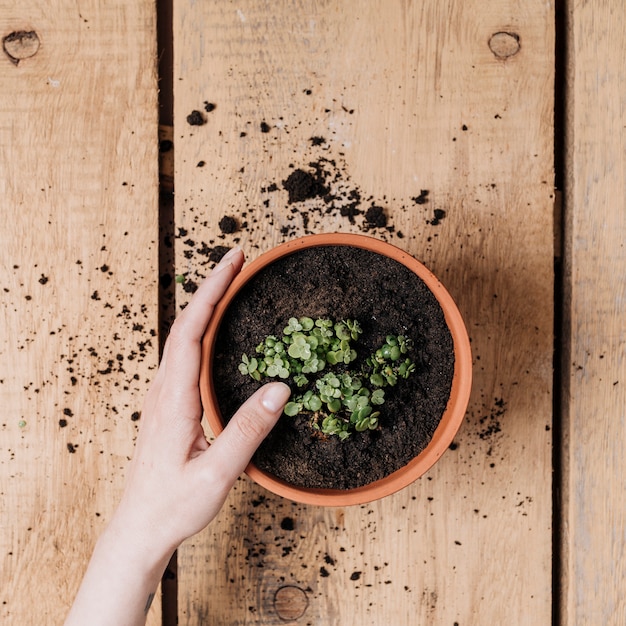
<point x="440" y="96"/>
<point x="78" y="289"/>
<point x="594" y="364"/>
<point x="391" y="90"/>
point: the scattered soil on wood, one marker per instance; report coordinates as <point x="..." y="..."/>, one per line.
<point x="341" y="282"/>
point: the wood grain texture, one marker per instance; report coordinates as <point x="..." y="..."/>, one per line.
<point x="78" y="297"/>
<point x="408" y="97"/>
<point x="594" y="367"/>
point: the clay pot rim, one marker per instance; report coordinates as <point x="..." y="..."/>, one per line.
<point x="451" y="419"/>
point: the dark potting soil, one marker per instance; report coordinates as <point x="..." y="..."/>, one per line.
<point x="341" y="282"/>
<point x="303" y="185"/>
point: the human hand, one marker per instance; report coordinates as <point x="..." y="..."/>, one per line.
<point x="177" y="481"/>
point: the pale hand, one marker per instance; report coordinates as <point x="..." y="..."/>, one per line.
<point x="177" y="482"/>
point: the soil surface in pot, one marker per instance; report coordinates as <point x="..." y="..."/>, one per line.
<point x="341" y="282"/>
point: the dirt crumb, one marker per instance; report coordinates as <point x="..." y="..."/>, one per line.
<point x="375" y="216"/>
<point x="302" y="185"/>
<point x="422" y="198"/>
<point x="438" y="215"/>
<point x="195" y="118"/>
<point x="228" y="225"/>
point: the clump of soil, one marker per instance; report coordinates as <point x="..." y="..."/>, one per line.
<point x="422" y="198"/>
<point x="195" y="118"/>
<point x="438" y="215"/>
<point x="341" y="282"/>
<point x="375" y="216"/>
<point x="303" y="185"/>
<point x="228" y="225"/>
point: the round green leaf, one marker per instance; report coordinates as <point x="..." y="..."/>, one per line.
<point x="292" y="408"/>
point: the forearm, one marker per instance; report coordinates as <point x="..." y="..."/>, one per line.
<point x="121" y="580"/>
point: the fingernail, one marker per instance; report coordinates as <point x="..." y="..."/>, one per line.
<point x="220" y="267"/>
<point x="275" y="396"/>
<point x="230" y="254"/>
<point x="225" y="260"/>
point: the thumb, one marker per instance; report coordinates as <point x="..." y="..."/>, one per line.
<point x="232" y="449"/>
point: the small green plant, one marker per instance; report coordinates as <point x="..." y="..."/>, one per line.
<point x="317" y="356"/>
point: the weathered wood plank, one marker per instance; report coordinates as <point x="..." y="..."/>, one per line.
<point x="594" y="367"/>
<point x="78" y="299"/>
<point x="408" y="97"/>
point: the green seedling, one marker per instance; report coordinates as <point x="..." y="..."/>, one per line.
<point x="340" y="400"/>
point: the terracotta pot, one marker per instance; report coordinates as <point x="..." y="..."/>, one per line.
<point x="452" y="416"/>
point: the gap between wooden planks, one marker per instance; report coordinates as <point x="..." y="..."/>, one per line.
<point x="456" y="99"/>
<point x="78" y="306"/>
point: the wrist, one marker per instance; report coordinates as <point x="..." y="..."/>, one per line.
<point x="125" y="566"/>
<point x="138" y="547"/>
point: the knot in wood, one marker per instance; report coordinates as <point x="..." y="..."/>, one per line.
<point x="20" y="44"/>
<point x="504" y="45"/>
<point x="290" y="602"/>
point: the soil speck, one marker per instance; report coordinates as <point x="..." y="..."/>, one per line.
<point x="422" y="198"/>
<point x="228" y="225"/>
<point x="195" y="118"/>
<point x="438" y="215"/>
<point x="303" y="185"/>
<point x="375" y="216"/>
